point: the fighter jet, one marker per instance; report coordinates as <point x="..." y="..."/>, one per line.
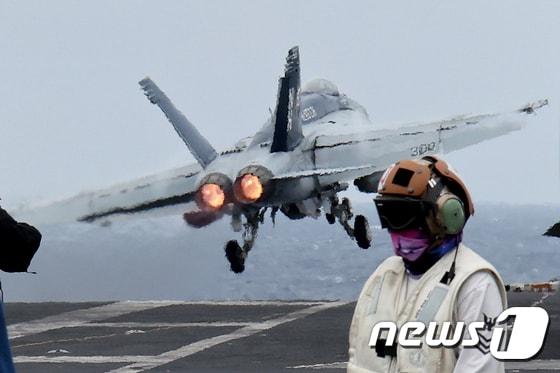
<point x="315" y="143"/>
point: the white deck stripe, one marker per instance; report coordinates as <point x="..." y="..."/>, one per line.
<point x="193" y="348"/>
<point x="143" y="327"/>
<point x="510" y="365"/>
<point x="81" y="317"/>
<point x="534" y="365"/>
<point x="82" y="359"/>
<point x="337" y="365"/>
<point x="140" y="325"/>
<point x="252" y="302"/>
<point x="89" y="315"/>
<point x="521" y="365"/>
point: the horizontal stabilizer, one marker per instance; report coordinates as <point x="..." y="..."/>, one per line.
<point x="197" y="144"/>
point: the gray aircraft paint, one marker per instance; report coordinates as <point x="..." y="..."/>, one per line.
<point x="338" y="147"/>
<point x="72" y="119"/>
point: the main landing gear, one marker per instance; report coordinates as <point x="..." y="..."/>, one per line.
<point x="236" y="253"/>
<point x="247" y="220"/>
<point x="342" y="211"/>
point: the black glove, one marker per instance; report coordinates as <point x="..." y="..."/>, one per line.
<point x="18" y="243"/>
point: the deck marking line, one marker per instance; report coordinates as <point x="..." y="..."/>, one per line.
<point x="193" y="348"/>
<point x="82" y="359"/>
<point x="88" y="315"/>
<point x="216" y="324"/>
<point x="81" y="317"/>
<point x="544" y="364"/>
<point x="336" y="365"/>
<point x="521" y="365"/>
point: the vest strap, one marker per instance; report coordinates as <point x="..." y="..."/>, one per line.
<point x="432" y="304"/>
<point x="375" y="293"/>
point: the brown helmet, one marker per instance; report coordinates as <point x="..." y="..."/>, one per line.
<point x="423" y="193"/>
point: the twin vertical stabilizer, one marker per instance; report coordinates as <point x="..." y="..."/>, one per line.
<point x="287" y="125"/>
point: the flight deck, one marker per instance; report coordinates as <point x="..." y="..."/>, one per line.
<point x="222" y="336"/>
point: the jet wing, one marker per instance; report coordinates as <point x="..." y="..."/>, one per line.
<point x="349" y="156"/>
<point x="148" y="194"/>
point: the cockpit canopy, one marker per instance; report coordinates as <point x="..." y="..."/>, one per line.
<point x="320" y="86"/>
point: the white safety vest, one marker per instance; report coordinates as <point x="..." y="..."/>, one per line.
<point x="381" y="299"/>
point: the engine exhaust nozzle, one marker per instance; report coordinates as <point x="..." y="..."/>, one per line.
<point x="253" y="183"/>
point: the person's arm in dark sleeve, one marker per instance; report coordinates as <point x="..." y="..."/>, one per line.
<point x="18" y="243"/>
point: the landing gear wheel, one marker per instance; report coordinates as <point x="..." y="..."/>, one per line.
<point x="236" y="256"/>
<point x="362" y="232"/>
<point x="330" y="218"/>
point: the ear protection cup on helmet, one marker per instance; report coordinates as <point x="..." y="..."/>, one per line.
<point x="450" y="214"/>
<point x="453" y="182"/>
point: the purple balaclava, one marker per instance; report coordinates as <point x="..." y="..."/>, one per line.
<point x="410" y="244"/>
<point x="418" y="251"/>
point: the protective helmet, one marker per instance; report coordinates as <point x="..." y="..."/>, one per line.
<point x="423" y="193"/>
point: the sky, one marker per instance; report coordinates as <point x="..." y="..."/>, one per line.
<point x="72" y="116"/>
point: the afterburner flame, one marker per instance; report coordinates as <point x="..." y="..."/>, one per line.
<point x="251" y="187"/>
<point x="212" y="195"/>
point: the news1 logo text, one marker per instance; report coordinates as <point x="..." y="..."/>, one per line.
<point x="518" y="333"/>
